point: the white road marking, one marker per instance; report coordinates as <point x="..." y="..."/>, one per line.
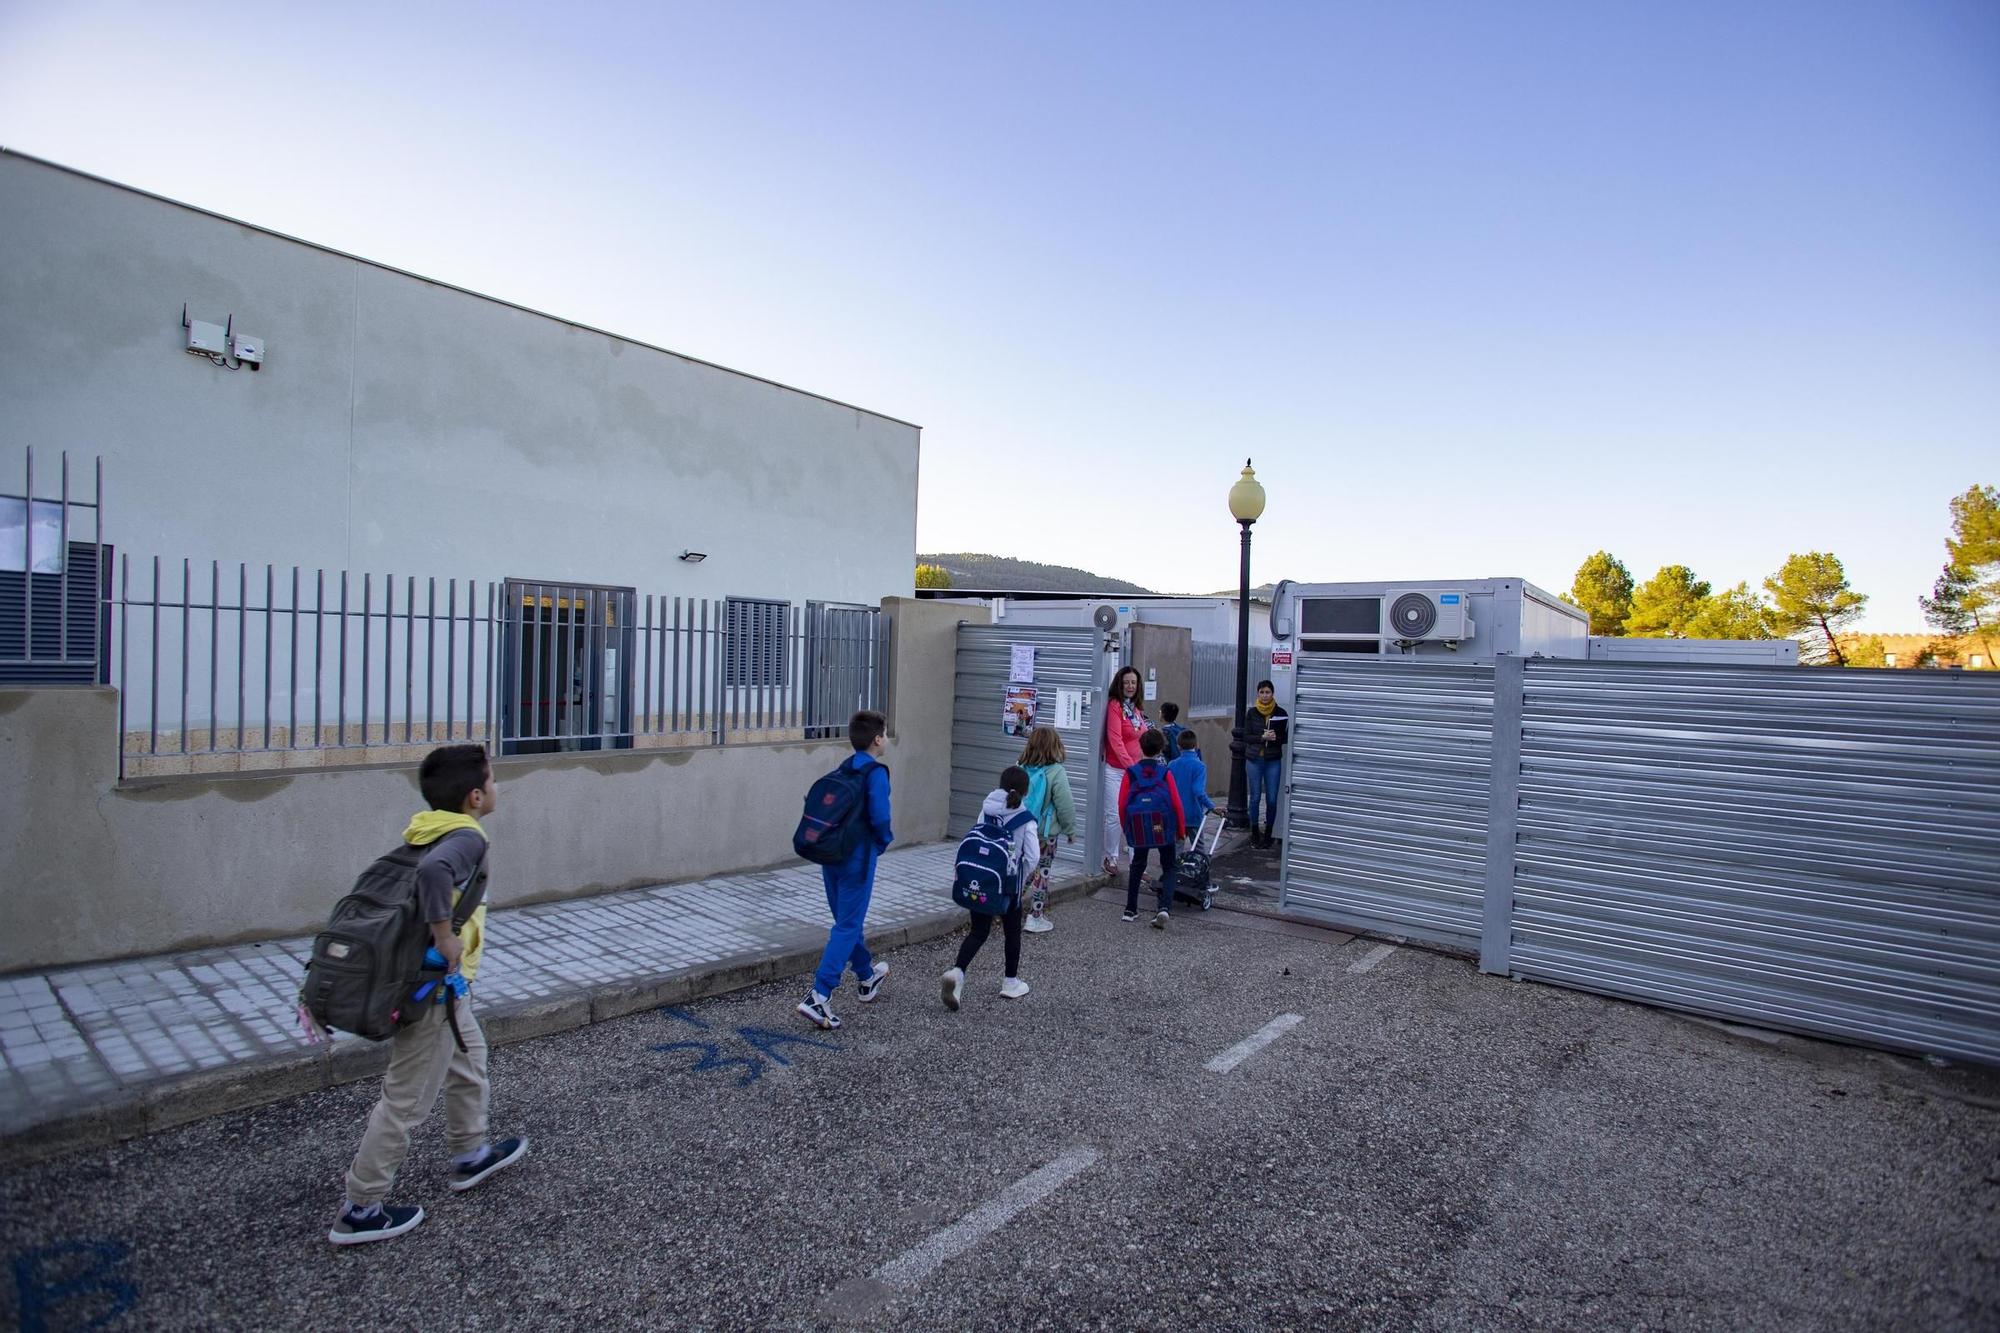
<point x="1372" y="957"/>
<point x="922" y="1259"/>
<point x="1253" y="1043"/>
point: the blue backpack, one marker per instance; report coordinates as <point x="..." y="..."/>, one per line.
<point x="1149" y="810"/>
<point x="988" y="880"/>
<point x="835" y="821"/>
<point x="1037" y="802"/>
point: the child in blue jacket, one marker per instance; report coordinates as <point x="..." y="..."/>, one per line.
<point x="1190" y="777"/>
<point x="850" y="884"/>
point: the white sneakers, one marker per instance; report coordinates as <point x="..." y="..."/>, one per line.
<point x="951" y="988"/>
<point x="1038" y="925"/>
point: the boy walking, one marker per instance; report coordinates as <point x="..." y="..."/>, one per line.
<point x="424" y="1056"/>
<point x="1149" y="809"/>
<point x="1190" y="774"/>
<point x="1170" y="731"/>
<point x="850" y="884"/>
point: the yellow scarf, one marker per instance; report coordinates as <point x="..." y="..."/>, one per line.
<point x="426" y="827"/>
<point x="1266" y="708"/>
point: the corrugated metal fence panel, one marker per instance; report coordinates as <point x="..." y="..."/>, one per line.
<point x="1390" y="769"/>
<point x="1065" y="658"/>
<point x="1212" y="676"/>
<point x="1810" y="849"/>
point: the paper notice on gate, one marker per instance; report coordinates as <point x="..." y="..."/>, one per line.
<point x="1022" y="669"/>
<point x="1069" y="710"/>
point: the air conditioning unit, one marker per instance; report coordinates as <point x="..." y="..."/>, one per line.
<point x="1110" y="617"/>
<point x="1414" y="617"/>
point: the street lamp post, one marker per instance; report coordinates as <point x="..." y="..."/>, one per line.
<point x="1246" y="506"/>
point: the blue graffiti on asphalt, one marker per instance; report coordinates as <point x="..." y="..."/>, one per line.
<point x="768" y="1041"/>
<point x="54" y="1276"/>
<point x="763" y="1044"/>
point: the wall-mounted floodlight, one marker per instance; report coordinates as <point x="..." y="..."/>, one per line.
<point x="694" y="557"/>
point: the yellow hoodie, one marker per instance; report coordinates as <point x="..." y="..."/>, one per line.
<point x="426" y="827"/>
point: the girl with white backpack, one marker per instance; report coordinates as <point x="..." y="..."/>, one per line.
<point x="1002" y="812"/>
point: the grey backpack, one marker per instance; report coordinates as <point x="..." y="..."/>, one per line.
<point x="368" y="962"/>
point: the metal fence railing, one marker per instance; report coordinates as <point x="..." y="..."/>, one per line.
<point x="262" y="661"/>
<point x="212" y="661"/>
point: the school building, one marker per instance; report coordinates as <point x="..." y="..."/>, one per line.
<point x="275" y="520"/>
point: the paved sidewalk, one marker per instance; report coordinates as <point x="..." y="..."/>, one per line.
<point x="92" y="1054"/>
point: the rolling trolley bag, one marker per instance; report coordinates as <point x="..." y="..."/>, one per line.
<point x="1192" y="883"/>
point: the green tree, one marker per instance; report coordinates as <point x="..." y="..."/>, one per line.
<point x="1733" y="613"/>
<point x="1868" y="652"/>
<point x="933" y="576"/>
<point x="1945" y="609"/>
<point x="1663" y="605"/>
<point x="1603" y="590"/>
<point x="1965" y="600"/>
<point x="1813" y="602"/>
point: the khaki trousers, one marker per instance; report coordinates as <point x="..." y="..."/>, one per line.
<point x="422" y="1060"/>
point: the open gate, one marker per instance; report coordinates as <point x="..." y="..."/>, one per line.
<point x="1065" y="658"/>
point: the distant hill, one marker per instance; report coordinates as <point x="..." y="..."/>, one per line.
<point x="997" y="573"/>
<point x="1259" y="592"/>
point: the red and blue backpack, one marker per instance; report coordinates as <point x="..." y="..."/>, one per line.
<point x="1149" y="809"/>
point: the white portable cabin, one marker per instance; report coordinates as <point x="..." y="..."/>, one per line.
<point x="1725" y="652"/>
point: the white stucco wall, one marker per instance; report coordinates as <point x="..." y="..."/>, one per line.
<point x="402" y="426"/>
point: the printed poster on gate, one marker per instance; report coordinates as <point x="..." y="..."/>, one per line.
<point x="1018" y="718"/>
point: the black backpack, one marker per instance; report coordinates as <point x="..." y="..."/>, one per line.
<point x="369" y="961"/>
<point x="835" y="819"/>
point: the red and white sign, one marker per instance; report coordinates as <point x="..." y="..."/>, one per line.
<point x="1281" y="657"/>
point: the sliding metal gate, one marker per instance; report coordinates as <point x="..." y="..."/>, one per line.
<point x="1813" y="850"/>
<point x="1065" y="659"/>
<point x="1809" y="849"/>
<point x="1391" y="764"/>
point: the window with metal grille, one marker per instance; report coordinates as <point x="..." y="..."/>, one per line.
<point x="754" y="646"/>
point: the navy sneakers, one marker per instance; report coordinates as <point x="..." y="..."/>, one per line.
<point x="358" y="1226"/>
<point x="497" y="1157"/>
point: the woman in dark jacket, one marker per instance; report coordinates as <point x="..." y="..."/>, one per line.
<point x="1264" y="737"/>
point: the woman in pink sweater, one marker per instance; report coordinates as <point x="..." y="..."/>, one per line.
<point x="1124" y="723"/>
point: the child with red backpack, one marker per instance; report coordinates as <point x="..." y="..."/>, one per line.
<point x="1149" y="813"/>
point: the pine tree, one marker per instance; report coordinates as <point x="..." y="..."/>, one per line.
<point x="1603" y="590"/>
<point x="1813" y="602"/>
<point x="1733" y="613"/>
<point x="1965" y="600"/>
<point x="1663" y="605"/>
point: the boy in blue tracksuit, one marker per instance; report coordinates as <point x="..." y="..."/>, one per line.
<point x="850" y="884"/>
<point x="1190" y="777"/>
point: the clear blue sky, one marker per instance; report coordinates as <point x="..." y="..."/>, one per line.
<point x="1482" y="287"/>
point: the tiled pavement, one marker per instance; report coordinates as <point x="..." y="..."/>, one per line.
<point x="127" y="1034"/>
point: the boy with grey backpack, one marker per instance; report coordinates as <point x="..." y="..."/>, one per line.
<point x="436" y="1043"/>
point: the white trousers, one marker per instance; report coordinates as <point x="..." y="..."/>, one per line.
<point x="1114" y="832"/>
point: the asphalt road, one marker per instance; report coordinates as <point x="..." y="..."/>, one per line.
<point x="1422" y="1147"/>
